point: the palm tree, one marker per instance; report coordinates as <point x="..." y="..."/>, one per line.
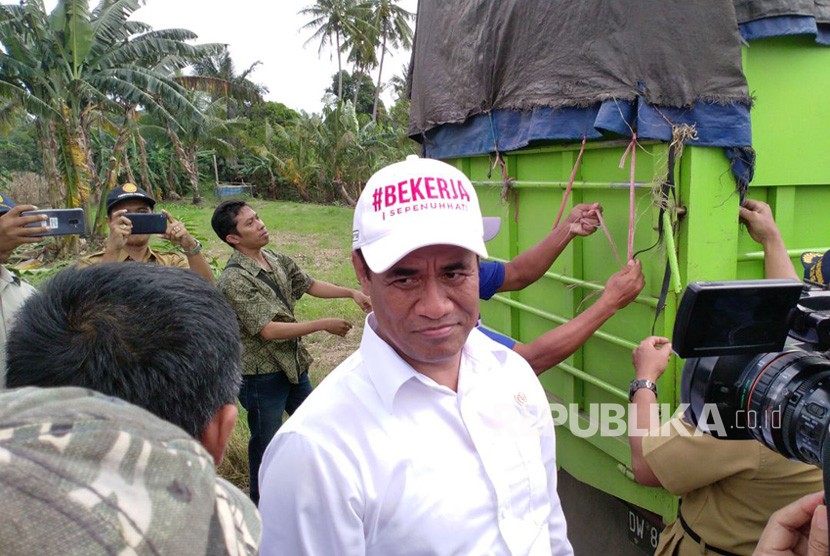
<point x="332" y="19"/>
<point x="299" y="139"/>
<point x="211" y="131"/>
<point x="261" y="158"/>
<point x="392" y="24"/>
<point x="361" y="47"/>
<point x="72" y="67"/>
<point x="217" y="76"/>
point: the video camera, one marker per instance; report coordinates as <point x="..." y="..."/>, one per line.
<point x="756" y="364"/>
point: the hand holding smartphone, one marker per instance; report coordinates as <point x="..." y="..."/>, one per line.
<point x="60" y="222"/>
<point x="147" y="222"/>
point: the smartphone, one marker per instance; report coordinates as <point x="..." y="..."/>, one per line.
<point x="61" y="222"/>
<point x="147" y="222"/>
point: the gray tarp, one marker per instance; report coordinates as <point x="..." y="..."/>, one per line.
<point x="472" y="56"/>
<point x="753" y="10"/>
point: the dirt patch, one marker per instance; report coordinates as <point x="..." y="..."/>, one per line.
<point x="329" y="351"/>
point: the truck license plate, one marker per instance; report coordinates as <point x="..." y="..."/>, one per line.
<point x="642" y="532"/>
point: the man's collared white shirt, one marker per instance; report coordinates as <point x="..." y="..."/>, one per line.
<point x="382" y="460"/>
<point x="13" y="293"/>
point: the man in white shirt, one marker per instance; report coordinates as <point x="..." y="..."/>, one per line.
<point x="431" y="438"/>
<point x="13" y="291"/>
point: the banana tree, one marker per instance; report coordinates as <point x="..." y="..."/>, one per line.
<point x="210" y="131"/>
<point x="72" y="65"/>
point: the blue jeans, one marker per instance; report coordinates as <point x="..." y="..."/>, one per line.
<point x="265" y="397"/>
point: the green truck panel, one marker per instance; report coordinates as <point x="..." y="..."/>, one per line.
<point x="788" y="79"/>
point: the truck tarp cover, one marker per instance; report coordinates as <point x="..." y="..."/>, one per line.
<point x="751" y="10"/>
<point x="475" y="56"/>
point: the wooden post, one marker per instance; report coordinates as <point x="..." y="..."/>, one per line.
<point x="215" y="171"/>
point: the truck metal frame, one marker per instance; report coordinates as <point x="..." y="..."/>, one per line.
<point x="789" y="80"/>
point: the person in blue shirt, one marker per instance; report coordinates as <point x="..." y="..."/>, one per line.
<point x="558" y="344"/>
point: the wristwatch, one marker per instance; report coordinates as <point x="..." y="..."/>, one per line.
<point x="638" y="383"/>
<point x="196" y="249"/>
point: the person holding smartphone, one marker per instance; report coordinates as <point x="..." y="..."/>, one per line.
<point x="127" y="241"/>
<point x="13" y="290"/>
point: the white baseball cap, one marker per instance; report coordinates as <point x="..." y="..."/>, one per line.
<point x="415" y="203"/>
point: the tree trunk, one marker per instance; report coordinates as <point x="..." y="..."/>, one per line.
<point x="74" y="150"/>
<point x="380" y="73"/>
<point x="344" y="192"/>
<point x="128" y="169"/>
<point x="110" y="177"/>
<point x="94" y="186"/>
<point x="188" y="161"/>
<point x="357" y="80"/>
<point x="172" y="182"/>
<point x="339" y="70"/>
<point x="143" y="165"/>
<point x="193" y="173"/>
<point x="113" y="168"/>
<point x="48" y="152"/>
<point x="272" y="184"/>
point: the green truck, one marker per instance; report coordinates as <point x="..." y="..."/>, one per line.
<point x="787" y="75"/>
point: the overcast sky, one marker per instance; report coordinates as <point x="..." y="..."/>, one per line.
<point x="264" y="30"/>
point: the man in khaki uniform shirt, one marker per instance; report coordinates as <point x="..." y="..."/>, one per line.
<point x="122" y="245"/>
<point x="728" y="488"/>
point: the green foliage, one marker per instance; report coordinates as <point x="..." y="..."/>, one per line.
<point x="19" y="151"/>
<point x="75" y="69"/>
<point x="365" y="93"/>
<point x="268" y="113"/>
<point x="105" y="99"/>
<point x="39" y="276"/>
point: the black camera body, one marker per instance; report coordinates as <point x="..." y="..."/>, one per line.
<point x="756" y="366"/>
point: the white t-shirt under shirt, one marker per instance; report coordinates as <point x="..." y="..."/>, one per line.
<point x="382" y="460"/>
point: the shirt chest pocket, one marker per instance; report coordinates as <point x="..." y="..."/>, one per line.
<point x="506" y="431"/>
<point x="520" y="477"/>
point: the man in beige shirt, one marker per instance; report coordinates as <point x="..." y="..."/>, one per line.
<point x="122" y="245"/>
<point x="728" y="488"/>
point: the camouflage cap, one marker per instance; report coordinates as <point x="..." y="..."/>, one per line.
<point x="85" y="474"/>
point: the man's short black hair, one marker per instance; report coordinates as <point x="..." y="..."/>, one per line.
<point x="224" y="218"/>
<point x="161" y="338"/>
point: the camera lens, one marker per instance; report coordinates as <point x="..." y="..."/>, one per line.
<point x="711" y="390"/>
<point x="786" y="398"/>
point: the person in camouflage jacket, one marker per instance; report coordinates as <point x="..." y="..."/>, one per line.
<point x="86" y="474"/>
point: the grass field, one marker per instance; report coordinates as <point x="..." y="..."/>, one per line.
<point x="318" y="238"/>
